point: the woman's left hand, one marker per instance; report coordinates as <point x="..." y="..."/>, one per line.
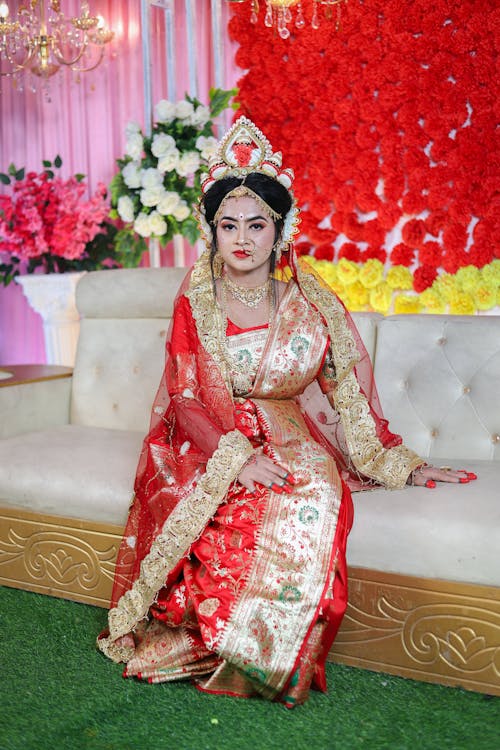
<point x="428" y="475"/>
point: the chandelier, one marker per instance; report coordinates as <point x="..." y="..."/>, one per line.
<point x="41" y="40"/>
<point x="279" y="13"/>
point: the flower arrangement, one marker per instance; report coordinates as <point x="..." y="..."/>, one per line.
<point x="371" y="286"/>
<point x="46" y="224"/>
<point x="159" y="178"/>
<point x="394" y="139"/>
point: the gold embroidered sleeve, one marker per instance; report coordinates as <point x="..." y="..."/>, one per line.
<point x="389" y="466"/>
<point x="180" y="529"/>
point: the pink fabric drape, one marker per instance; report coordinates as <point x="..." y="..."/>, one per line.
<point x="85" y="121"/>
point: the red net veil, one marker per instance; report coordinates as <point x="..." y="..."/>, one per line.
<point x="193" y="408"/>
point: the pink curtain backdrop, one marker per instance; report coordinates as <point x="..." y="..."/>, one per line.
<point x="84" y="122"/>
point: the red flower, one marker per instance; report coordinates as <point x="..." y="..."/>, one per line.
<point x="374" y="252"/>
<point x="402" y="255"/>
<point x="303" y="248"/>
<point x="350" y="251"/>
<point x="423" y="278"/>
<point x="325" y="251"/>
<point x="455" y="237"/>
<point x="414" y="232"/>
<point x="431" y="254"/>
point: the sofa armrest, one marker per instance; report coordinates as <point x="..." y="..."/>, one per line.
<point x="33" y="397"/>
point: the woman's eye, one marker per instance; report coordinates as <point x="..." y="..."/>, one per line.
<point x="257" y="226"/>
<point x="227" y="226"/>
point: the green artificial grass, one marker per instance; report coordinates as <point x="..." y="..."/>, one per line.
<point x="57" y="691"/>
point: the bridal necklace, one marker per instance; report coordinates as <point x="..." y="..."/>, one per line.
<point x="248" y="296"/>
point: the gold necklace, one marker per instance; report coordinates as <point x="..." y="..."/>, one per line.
<point x="248" y="296"/>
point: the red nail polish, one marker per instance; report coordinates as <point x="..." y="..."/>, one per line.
<point x="430" y="484"/>
<point x="290" y="478"/>
<point x="471" y="475"/>
<point x="463" y="480"/>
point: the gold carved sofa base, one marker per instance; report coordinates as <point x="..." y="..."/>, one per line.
<point x="424" y="598"/>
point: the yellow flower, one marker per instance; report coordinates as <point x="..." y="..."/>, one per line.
<point x="357" y="296"/>
<point x="491" y="272"/>
<point x="445" y="285"/>
<point x="462" y="303"/>
<point x="468" y="278"/>
<point x="347" y="271"/>
<point x="432" y="300"/>
<point x="371" y="273"/>
<point x="326" y="269"/>
<point x="381" y="298"/>
<point x="404" y="303"/>
<point x="485" y="296"/>
<point x="399" y="277"/>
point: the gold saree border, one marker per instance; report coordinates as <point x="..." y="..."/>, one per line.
<point x="182" y="527"/>
<point x="392" y="466"/>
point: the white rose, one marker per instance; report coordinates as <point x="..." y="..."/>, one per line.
<point x="168" y="203"/>
<point x="132" y="128"/>
<point x="157" y="223"/>
<point x="131" y="174"/>
<point x="184" y="110"/>
<point x="125" y="208"/>
<point x="201" y="115"/>
<point x="189" y="163"/>
<point x="134" y="145"/>
<point x="207" y="146"/>
<point x="162" y="144"/>
<point x="151" y="178"/>
<point x="142" y="225"/>
<point x="169" y="161"/>
<point x="182" y="212"/>
<point x="165" y="111"/>
<point x="151" y="196"/>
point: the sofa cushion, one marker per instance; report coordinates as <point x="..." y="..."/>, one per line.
<point x="437" y="377"/>
<point x="451" y="532"/>
<point x="74" y="471"/>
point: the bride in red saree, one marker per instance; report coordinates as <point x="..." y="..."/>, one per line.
<point x="232" y="568"/>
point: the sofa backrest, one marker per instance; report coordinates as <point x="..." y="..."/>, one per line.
<point x="438" y="378"/>
<point x="121" y="347"/>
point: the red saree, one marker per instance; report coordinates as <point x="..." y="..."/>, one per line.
<point x="248" y="589"/>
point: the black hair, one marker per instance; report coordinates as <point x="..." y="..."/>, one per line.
<point x="271" y="191"/>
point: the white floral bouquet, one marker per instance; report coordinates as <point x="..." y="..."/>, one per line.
<point x="159" y="179"/>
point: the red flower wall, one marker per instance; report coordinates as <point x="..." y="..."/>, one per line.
<point x="392" y="120"/>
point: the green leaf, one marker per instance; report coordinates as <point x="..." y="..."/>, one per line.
<point x="219" y="99"/>
<point x="19" y="174"/>
<point x="57" y="162"/>
<point x="12" y="169"/>
<point x="117" y="188"/>
<point x="4" y="178"/>
<point x="190" y="230"/>
<point x="46" y="163"/>
<point x="79" y="177"/>
<point x="49" y="173"/>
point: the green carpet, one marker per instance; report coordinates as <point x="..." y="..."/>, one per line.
<point x="57" y="691"/>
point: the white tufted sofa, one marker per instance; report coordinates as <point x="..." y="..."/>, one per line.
<point x="424" y="564"/>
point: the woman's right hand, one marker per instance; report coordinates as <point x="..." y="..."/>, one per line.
<point x="260" y="469"/>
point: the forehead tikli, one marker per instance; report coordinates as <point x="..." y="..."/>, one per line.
<point x="244" y="209"/>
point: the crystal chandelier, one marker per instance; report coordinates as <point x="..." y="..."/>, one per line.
<point x="280" y="16"/>
<point x="41" y="40"/>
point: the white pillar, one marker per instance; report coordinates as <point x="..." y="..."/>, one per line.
<point x="53" y="297"/>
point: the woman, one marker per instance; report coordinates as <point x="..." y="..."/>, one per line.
<point x="232" y="568"/>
